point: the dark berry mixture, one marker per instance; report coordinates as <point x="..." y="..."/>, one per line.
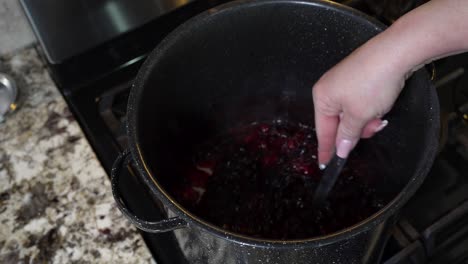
<point x="259" y="180"/>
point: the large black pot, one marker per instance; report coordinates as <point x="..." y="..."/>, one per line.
<point x="251" y="60"/>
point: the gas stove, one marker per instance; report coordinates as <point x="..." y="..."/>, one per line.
<point x="95" y="77"/>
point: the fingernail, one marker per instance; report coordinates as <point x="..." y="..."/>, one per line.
<point x="381" y="126"/>
<point x="322" y="166"/>
<point x="344" y="148"/>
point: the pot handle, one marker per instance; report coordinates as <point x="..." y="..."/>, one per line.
<point x="161" y="226"/>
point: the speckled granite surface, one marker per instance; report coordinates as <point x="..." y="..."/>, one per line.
<point x="56" y="204"/>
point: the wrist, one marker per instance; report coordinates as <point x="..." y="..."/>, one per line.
<point x="388" y="54"/>
<point x="435" y="30"/>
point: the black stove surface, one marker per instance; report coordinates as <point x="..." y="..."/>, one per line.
<point x="433" y="226"/>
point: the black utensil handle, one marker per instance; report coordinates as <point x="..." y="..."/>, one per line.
<point x="329" y="177"/>
<point x="151" y="227"/>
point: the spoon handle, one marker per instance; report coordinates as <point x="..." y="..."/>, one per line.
<point x="329" y="177"/>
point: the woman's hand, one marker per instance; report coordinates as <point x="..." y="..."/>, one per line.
<point x="351" y="99"/>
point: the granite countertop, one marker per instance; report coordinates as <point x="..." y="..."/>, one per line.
<point x="56" y="204"/>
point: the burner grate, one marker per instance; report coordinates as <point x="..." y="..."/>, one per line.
<point x="113" y="108"/>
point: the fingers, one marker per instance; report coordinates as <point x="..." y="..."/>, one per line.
<point x="342" y="134"/>
<point x="326" y="128"/>
<point x="349" y="131"/>
<point x="373" y="127"/>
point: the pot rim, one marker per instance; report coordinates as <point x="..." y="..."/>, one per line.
<point x="147" y="176"/>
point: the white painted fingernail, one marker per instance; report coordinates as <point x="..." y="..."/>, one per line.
<point x="381" y="126"/>
<point x="322" y="166"/>
<point x="344" y="148"/>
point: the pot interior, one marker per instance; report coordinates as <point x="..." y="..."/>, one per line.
<point x="258" y="61"/>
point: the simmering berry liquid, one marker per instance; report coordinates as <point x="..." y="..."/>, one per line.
<point x="259" y="180"/>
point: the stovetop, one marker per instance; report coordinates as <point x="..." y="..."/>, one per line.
<point x="433" y="227"/>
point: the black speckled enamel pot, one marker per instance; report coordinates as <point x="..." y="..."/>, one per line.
<point x="240" y="61"/>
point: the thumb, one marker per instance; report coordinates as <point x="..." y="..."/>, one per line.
<point x="349" y="131"/>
